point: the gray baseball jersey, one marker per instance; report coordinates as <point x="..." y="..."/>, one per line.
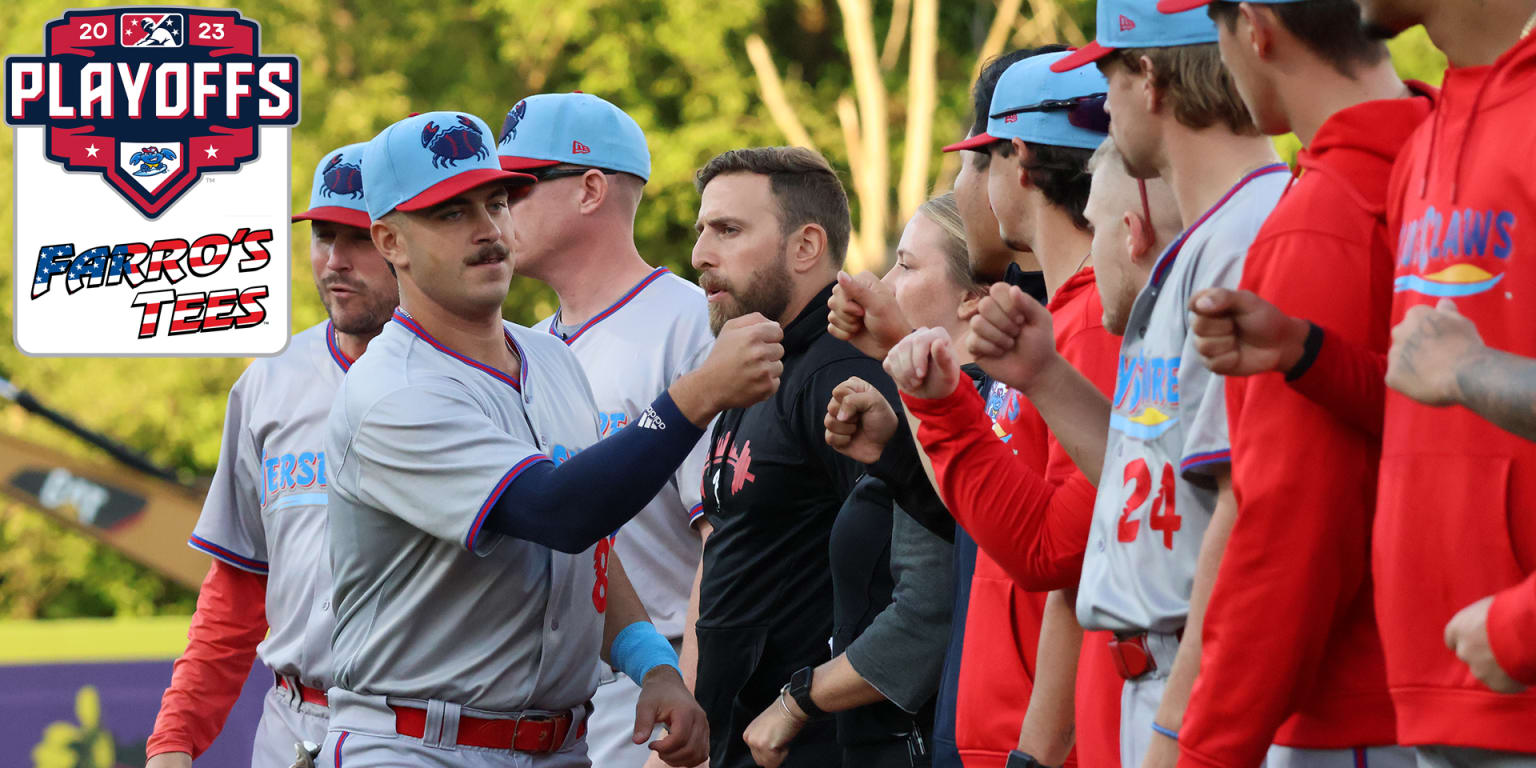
<point x="422" y="441"/>
<point x="631" y="351"/>
<point x="1168" y="428"/>
<point x="265" y="511"/>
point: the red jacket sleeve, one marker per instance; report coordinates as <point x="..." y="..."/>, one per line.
<point x="1297" y="559"/>
<point x="1511" y="625"/>
<point x="1032" y="524"/>
<point x="1348" y="379"/>
<point x="230" y="621"/>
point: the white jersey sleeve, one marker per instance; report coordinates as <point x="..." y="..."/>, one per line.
<point x="690" y="474"/>
<point x="230" y="527"/>
<point x="432" y="456"/>
<point x="1207" y="449"/>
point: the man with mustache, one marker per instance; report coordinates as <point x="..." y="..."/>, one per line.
<point x="264" y="519"/>
<point x="471" y="595"/>
<point x="773" y="230"/>
<point x="635" y="329"/>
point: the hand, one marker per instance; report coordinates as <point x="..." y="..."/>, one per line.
<point x="664" y="699"/>
<point x="1011" y="336"/>
<point x="863" y="312"/>
<point x="769" y="735"/>
<point x="1466" y="634"/>
<point x="1162" y="752"/>
<point x="1238" y="333"/>
<point x="170" y="760"/>
<point x="859" y="421"/>
<point x="923" y="364"/>
<point x="742" y="369"/>
<point x="655" y="761"/>
<point x="1429" y="349"/>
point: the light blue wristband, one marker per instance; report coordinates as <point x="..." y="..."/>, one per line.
<point x="638" y="648"/>
<point x="1169" y="732"/>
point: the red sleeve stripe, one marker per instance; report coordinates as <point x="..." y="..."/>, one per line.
<point x="490" y="501"/>
<point x="1223" y="456"/>
<point x="239" y="561"/>
<point x="340" y="740"/>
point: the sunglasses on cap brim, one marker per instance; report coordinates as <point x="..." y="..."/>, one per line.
<point x="551" y="173"/>
<point x="1085" y="112"/>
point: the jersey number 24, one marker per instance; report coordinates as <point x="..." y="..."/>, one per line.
<point x="1163" y="517"/>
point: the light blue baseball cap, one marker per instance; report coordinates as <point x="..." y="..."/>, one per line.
<point x="1138" y="24"/>
<point x="1041" y="106"/>
<point x="575" y="128"/>
<point x="1180" y="6"/>
<point x="337" y="193"/>
<point x="426" y="159"/>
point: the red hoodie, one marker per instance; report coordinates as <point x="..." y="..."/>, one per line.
<point x="1294" y="589"/>
<point x="1455" y="522"/>
<point x="1030" y="525"/>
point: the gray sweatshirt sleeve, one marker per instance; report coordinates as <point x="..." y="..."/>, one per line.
<point x="902" y="652"/>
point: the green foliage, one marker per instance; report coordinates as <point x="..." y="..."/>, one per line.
<point x="678" y="66"/>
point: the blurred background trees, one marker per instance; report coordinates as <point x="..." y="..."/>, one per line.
<point x="876" y="85"/>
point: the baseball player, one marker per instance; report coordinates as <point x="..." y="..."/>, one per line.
<point x="1164" y="503"/>
<point x="264" y="519"/>
<point x="1295" y="586"/>
<point x="471" y="594"/>
<point x="634" y="328"/>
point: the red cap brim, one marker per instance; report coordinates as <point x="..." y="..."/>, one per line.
<point x="524" y="163"/>
<point x="1180" y="6"/>
<point x="975" y="142"/>
<point x="336" y="215"/>
<point x="467" y="180"/>
<point x="1081" y="57"/>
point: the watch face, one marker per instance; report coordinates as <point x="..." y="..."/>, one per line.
<point x="1017" y="759"/>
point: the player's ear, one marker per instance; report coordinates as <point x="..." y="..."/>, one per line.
<point x="389" y="240"/>
<point x="594" y="190"/>
<point x="808" y="248"/>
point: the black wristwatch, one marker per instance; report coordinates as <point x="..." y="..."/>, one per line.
<point x="1017" y="759"/>
<point x="800" y="691"/>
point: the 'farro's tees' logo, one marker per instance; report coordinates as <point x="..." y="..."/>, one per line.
<point x="152" y="98"/>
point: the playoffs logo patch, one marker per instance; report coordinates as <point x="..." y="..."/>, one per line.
<point x="152" y="149"/>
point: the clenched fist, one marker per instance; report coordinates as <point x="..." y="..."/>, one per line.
<point x="1011" y="336"/>
<point x="1238" y="333"/>
<point x="863" y="312"/>
<point x="743" y="369"/>
<point x="859" y="421"/>
<point x="923" y="364"/>
<point x="1430" y="349"/>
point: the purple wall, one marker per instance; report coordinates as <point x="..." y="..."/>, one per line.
<point x="33" y="697"/>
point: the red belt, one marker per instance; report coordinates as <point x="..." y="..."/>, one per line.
<point x="1132" y="659"/>
<point x="306" y="694"/>
<point x="527" y="733"/>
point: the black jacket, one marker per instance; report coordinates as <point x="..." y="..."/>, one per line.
<point x="772" y="488"/>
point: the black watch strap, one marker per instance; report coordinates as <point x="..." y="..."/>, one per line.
<point x="800" y="691"/>
<point x="1017" y="759"/>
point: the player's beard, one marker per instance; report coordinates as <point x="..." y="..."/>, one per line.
<point x="363" y="318"/>
<point x="766" y="292"/>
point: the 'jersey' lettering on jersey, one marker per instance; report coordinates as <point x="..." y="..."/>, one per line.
<point x="1146" y="395"/>
<point x="1456" y="253"/>
<point x="305" y="469"/>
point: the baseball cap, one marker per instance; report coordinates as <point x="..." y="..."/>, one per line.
<point x="1035" y="103"/>
<point x="425" y="159"/>
<point x="337" y="194"/>
<point x="1179" y="6"/>
<point x="1137" y="24"/>
<point x="576" y="128"/>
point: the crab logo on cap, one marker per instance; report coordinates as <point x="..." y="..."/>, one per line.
<point x="515" y="115"/>
<point x="455" y="143"/>
<point x="342" y="178"/>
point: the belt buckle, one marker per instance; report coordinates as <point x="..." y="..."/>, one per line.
<point x="1132" y="660"/>
<point x="546" y="737"/>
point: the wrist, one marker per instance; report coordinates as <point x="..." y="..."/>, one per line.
<point x="791" y="709"/>
<point x="1048" y="377"/>
<point x="1165" y="732"/>
<point x="1293" y="347"/>
<point x="694" y="398"/>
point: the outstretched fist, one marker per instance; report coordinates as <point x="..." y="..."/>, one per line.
<point x="859" y="421"/>
<point x="1238" y="333"/>
<point x="923" y="364"/>
<point x="863" y="312"/>
<point x="1011" y="336"/>
<point x="742" y="369"/>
